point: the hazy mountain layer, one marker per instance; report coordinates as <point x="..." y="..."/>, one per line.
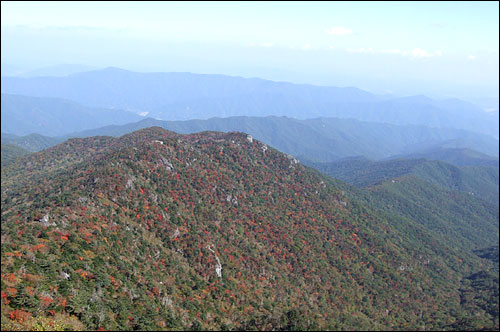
<point x="478" y="181"/>
<point x="22" y="115"/>
<point x="11" y="152"/>
<point x="324" y="139"/>
<point x="33" y="142"/>
<point x="455" y="156"/>
<point x="186" y="96"/>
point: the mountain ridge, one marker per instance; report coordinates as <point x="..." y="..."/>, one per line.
<point x="22" y="115"/>
<point x="182" y="96"/>
<point x="479" y="181"/>
<point x="323" y="139"/>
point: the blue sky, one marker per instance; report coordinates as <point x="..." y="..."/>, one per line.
<point x="435" y="48"/>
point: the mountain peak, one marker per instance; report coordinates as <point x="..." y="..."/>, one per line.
<point x="112" y="69"/>
<point x="108" y="72"/>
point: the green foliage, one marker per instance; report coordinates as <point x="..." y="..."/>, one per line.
<point x="462" y="220"/>
<point x="478" y="181"/>
<point x="32" y="142"/>
<point x="10" y="153"/>
<point x="430" y="213"/>
<point x="456" y="156"/>
<point x="156" y="230"/>
<point x="26" y="114"/>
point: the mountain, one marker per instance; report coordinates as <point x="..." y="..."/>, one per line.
<point x="32" y="143"/>
<point x="10" y="70"/>
<point x="477" y="181"/>
<point x="455" y="156"/>
<point x="449" y="213"/>
<point x="157" y="230"/>
<point x="57" y="70"/>
<point x="152" y="92"/>
<point x="184" y="96"/>
<point x="421" y="110"/>
<point x="442" y="198"/>
<point x="22" y="115"/>
<point x="324" y="139"/>
<point x="10" y="153"/>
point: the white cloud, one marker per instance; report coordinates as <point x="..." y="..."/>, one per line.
<point x="360" y="50"/>
<point x="306" y="47"/>
<point x="417" y="53"/>
<point x="471" y="57"/>
<point x="339" y="31"/>
<point x="393" y="51"/>
<point x="420" y="53"/>
<point x="438" y="25"/>
<point x="266" y="44"/>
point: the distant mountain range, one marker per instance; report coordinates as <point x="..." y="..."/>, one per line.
<point x="455" y="156"/>
<point x="186" y="96"/>
<point x="323" y="139"/>
<point x="11" y="152"/>
<point x="32" y="142"/>
<point x="62" y="69"/>
<point x="449" y="213"/>
<point x="23" y="115"/>
<point x="477" y="181"/>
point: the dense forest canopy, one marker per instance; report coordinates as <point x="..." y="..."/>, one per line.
<point x="216" y="231"/>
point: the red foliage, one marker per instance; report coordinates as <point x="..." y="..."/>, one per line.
<point x="19" y="315"/>
<point x="30" y="290"/>
<point x="46" y="300"/>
